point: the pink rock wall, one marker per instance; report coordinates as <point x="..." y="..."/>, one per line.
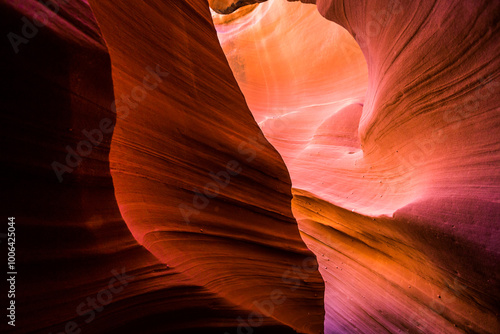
<point x="393" y="150"/>
<point x="325" y="166"/>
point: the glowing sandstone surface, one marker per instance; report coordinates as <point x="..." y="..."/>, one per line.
<point x="392" y="144"/>
<point x="387" y="130"/>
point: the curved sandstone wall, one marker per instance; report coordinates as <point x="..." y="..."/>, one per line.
<point x="177" y="169"/>
<point x="388" y="122"/>
<point x="130" y="153"/>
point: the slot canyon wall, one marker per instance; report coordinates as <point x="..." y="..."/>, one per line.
<point x="256" y="167"/>
<point x="135" y="206"/>
<point x="388" y="122"/>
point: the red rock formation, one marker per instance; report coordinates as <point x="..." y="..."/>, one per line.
<point x="389" y="130"/>
<point x="193" y="126"/>
<point x="239" y="256"/>
<point x="396" y="177"/>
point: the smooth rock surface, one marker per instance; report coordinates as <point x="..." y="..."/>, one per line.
<point x="392" y="144"/>
<point x="234" y="258"/>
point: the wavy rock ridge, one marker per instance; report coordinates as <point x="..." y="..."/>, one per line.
<point x="140" y="179"/>
<point x="137" y="203"/>
<point x="392" y="149"/>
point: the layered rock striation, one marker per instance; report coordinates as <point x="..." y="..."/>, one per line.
<point x="146" y="198"/>
<point x="391" y="139"/>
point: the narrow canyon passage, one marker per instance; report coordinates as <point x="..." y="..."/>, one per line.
<point x="252" y="166"/>
<point x="377" y="149"/>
